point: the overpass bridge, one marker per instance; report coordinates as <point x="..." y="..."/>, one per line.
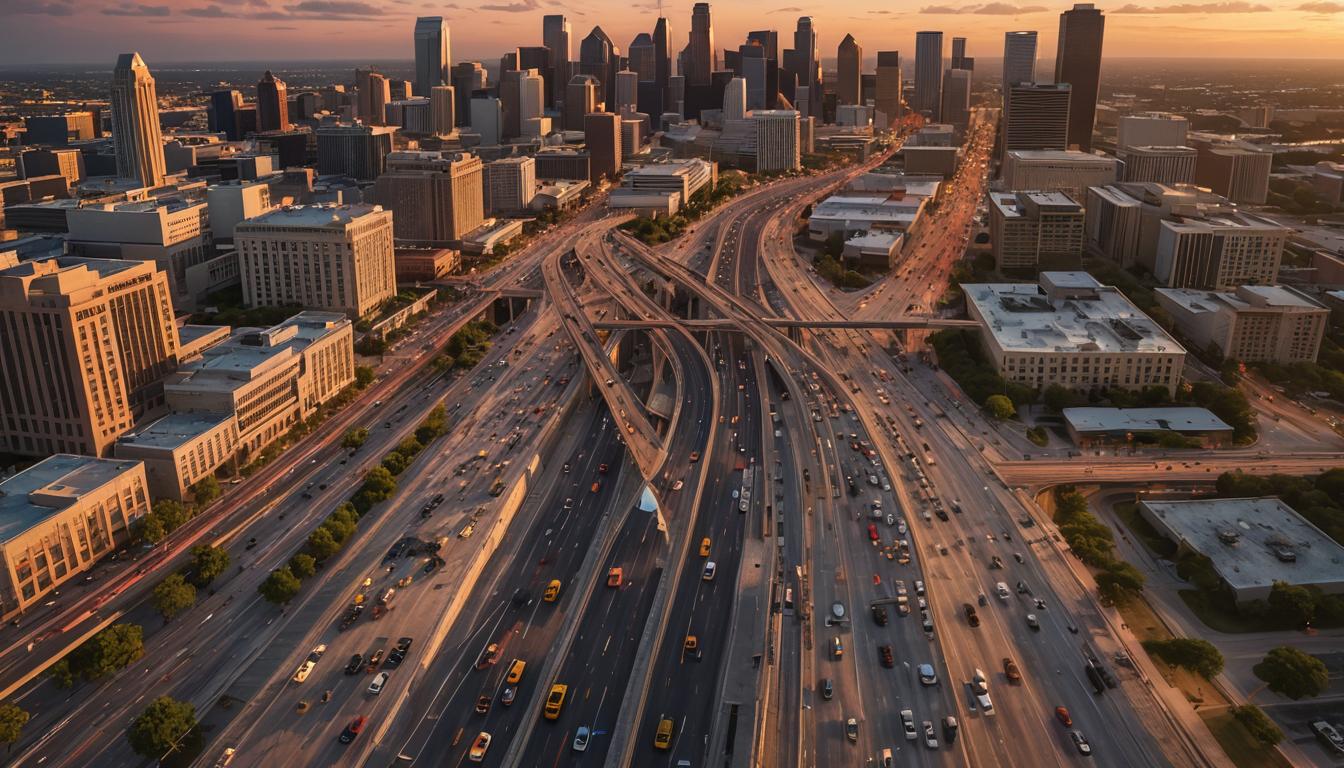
<point x="720" y="324"/>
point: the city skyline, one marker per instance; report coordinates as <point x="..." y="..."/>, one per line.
<point x="45" y="31"/>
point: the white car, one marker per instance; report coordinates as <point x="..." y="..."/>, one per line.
<point x="581" y="739"/>
<point x="304" y="670"/>
<point x="379" y="680"/>
<point x="710" y="569"/>
<point x="930" y="737"/>
<point x="908" y="724"/>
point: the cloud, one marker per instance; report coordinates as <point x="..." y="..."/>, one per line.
<point x="520" y="7"/>
<point x="138" y="10"/>
<point x="791" y="9"/>
<point x="36" y="7"/>
<point x="1322" y="7"/>
<point x="1235" y="6"/>
<point x="988" y="9"/>
<point x="283" y="27"/>
<point x="209" y="12"/>
<point x="335" y="8"/>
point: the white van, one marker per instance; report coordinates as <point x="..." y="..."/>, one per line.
<point x="379" y="681"/>
<point x="1001" y="590"/>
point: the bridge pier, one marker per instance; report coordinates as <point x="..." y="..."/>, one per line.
<point x="506" y="309"/>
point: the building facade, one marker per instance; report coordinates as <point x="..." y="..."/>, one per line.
<point x="1030" y="229"/>
<point x="1069" y="172"/>
<point x="435" y="197"/>
<point x="135" y="122"/>
<point x="1219" y="251"/>
<point x="1253" y="323"/>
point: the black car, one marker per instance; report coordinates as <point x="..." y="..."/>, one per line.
<point x="404" y="644"/>
<point x="827" y="689"/>
<point x="356" y="664"/>
<point x="880" y="615"/>
<point x="888" y="660"/>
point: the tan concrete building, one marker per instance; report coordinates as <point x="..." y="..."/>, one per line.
<point x="417" y="265"/>
<point x="335" y="257"/>
<point x="268" y="379"/>
<point x="1033" y="229"/>
<point x="436" y="197"/>
<point x="58" y="517"/>
<point x="181" y="449"/>
<point x="84" y="347"/>
<point x="1253" y="323"/>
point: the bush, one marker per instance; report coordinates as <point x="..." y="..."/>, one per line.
<point x="1227" y="403"/>
<point x="1258" y="724"/>
<point x="1198" y="656"/>
<point x="1293" y="673"/>
<point x="364" y="376"/>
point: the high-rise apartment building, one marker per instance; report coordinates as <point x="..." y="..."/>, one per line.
<point x="433" y="54"/>
<point x="510" y="183"/>
<point x="1078" y="63"/>
<point x="555" y="31"/>
<point x="602" y="134"/>
<point x="353" y="150"/>
<point x="1036" y="117"/>
<point x="84" y="346"/>
<point x="1236" y="170"/>
<point x="434" y="197"/>
<point x="336" y="257"/>
<point x="889" y="84"/>
<point x="702" y="58"/>
<point x="272" y="103"/>
<point x="849" y="64"/>
<point x="135" y="122"/>
<point x="928" y="74"/>
<point x="1019" y="58"/>
<point x="778" y="144"/>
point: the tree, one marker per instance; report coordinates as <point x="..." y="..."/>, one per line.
<point x="1291" y="605"/>
<point x="163" y="728"/>
<point x="173" y="595"/>
<point x="62" y="673"/>
<point x="321" y="544"/>
<point x="1258" y="724"/>
<point x="364" y="376"/>
<point x="1057" y="397"/>
<point x="1000" y="407"/>
<point x="280" y="586"/>
<point x="12" y="720"/>
<point x="1119" y="581"/>
<point x="1293" y="673"/>
<point x="207" y="563"/>
<point x="354" y="437"/>
<point x="302" y="565"/>
<point x="112" y="649"/>
<point x="149" y="528"/>
<point x="206" y="490"/>
<point x="1198" y="656"/>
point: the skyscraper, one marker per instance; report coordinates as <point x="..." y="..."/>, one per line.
<point x="1078" y="63"/>
<point x="1036" y="116"/>
<point x="580" y="99"/>
<point x="224" y="113"/>
<point x="928" y="73"/>
<point x="135" y="122"/>
<point x="272" y="103"/>
<point x="735" y="99"/>
<point x="433" y="55"/>
<point x="600" y="58"/>
<point x="531" y="96"/>
<point x="956" y="106"/>
<point x="805" y="63"/>
<point x="442" y="109"/>
<point x="849" y="63"/>
<point x="555" y="36"/>
<point x="643" y="58"/>
<point x="468" y="78"/>
<point x="374" y="94"/>
<point x="959" y="58"/>
<point x="889" y="84"/>
<point x="662" y="54"/>
<point x="602" y="134"/>
<point x="627" y="91"/>
<point x="1019" y="58"/>
<point x="702" y="57"/>
<point x="434" y="196"/>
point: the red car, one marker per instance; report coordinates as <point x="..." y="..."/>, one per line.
<point x="353" y="729"/>
<point x="602" y="468"/>
<point x="1062" y="715"/>
<point x="872" y="531"/>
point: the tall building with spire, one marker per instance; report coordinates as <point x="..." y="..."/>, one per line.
<point x="849" y="63"/>
<point x="928" y="73"/>
<point x="135" y="122"/>
<point x="599" y="57"/>
<point x="1078" y="63"/>
<point x="701" y="57"/>
<point x="272" y="103"/>
<point x="433" y="54"/>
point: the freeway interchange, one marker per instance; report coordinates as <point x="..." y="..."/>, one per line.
<point x="731" y="543"/>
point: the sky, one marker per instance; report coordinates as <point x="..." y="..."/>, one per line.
<point x="177" y="31"/>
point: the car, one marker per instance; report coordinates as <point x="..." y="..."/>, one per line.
<point x="1080" y="741"/>
<point x="1011" y="671"/>
<point x="488" y="656"/>
<point x="516" y="669"/>
<point x="1063" y="716"/>
<point x="949" y="729"/>
<point x="852" y="729"/>
<point x="614" y="576"/>
<point x="379" y="681"/>
<point x="677" y="486"/>
<point x="704" y="547"/>
<point x="695" y="456"/>
<point x="1018" y="557"/>
<point x="930" y="736"/>
<point x="972" y="617"/>
<point x="827" y="688"/>
<point x="662" y="738"/>
<point x="1033" y="622"/>
<point x="602" y="469"/>
<point x="710" y="570"/>
<point x="552" y="592"/>
<point x="479" y="747"/>
<point x="507" y="695"/>
<point x="483" y="704"/>
<point x="837" y="648"/>
<point x="555" y="701"/>
<point x="565" y="468"/>
<point x="356" y="663"/>
<point x="596" y="486"/>
<point x="375" y="659"/>
<point x="926" y="675"/>
<point x="908" y="724"/>
<point x="880" y="615"/>
<point x="919" y="587"/>
<point x="304" y="670"/>
<point x="888" y="660"/>
<point x="355" y="727"/>
<point x="581" y="737"/>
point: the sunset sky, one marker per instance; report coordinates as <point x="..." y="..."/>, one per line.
<point x="77" y="31"/>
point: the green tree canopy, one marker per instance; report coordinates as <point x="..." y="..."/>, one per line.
<point x="1198" y="656"/>
<point x="12" y="720"/>
<point x="280" y="586"/>
<point x="1261" y="728"/>
<point x="302" y="565"/>
<point x="354" y="437"/>
<point x="173" y="595"/>
<point x="1293" y="673"/>
<point x="1291" y="605"/>
<point x="163" y="728"/>
<point x="207" y="563"/>
<point x="112" y="649"/>
<point x="1000" y="407"/>
<point x="206" y="490"/>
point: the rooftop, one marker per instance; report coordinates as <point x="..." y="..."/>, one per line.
<point x="174" y="430"/>
<point x="1245" y="297"/>
<point x="1144" y="420"/>
<point x="311" y="216"/>
<point x="1011" y="205"/>
<point x="1253" y="542"/>
<point x="1061" y="156"/>
<point x="47" y="487"/>
<point x="1082" y="316"/>
<point x="250" y="352"/>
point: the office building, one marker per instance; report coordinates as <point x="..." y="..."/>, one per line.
<point x="374" y="95"/>
<point x="555" y="31"/>
<point x="631" y="136"/>
<point x="135" y="122"/>
<point x="244" y="393"/>
<point x="1078" y="63"/>
<point x="1070" y="172"/>
<point x="778" y="145"/>
<point x="849" y="64"/>
<point x="223" y="114"/>
<point x="956" y="108"/>
<point x="1125" y="219"/>
<point x="65" y="162"/>
<point x="803" y="63"/>
<point x="83" y="352"/>
<point x="1327" y="178"/>
<point x="1252" y="323"/>
<point x="627" y="91"/>
<point x="681" y="178"/>
<point x="442" y="106"/>
<point x="662" y="56"/>
<point x="1029" y="230"/>
<point x="1072" y="331"/>
<point x="554" y="163"/>
<point x="1019" y="58"/>
<point x="59" y="517"/>
<point x="600" y="58"/>
<point x="231" y="202"/>
<point x="468" y="78"/>
<point x="959" y="58"/>
<point x="60" y="130"/>
<point x="335" y="257"/>
<point x="580" y="100"/>
<point x="433" y="54"/>
<point x="701" y="57"/>
<point x="1234" y="169"/>
<point x="1151" y="130"/>
<point x="888" y="99"/>
<point x="1090" y="427"/>
<point x="487" y="120"/>
<point x="735" y="100"/>
<point x="1219" y="251"/>
<point x="1036" y="117"/>
<point x="928" y="98"/>
<point x="602" y="134"/>
<point x="272" y="103"/>
<point x="358" y="151"/>
<point x="509" y="184"/>
<point x="643" y="57"/>
<point x="1162" y="165"/>
<point x="434" y="197"/>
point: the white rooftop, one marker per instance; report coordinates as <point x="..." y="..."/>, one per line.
<point x="173" y="430"/>
<point x="1176" y="419"/>
<point x="1061" y="156"/>
<point x="251" y="352"/>
<point x="1251" y="541"/>
<point x="313" y="216"/>
<point x="56" y="482"/>
<point x="1246" y="297"/>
